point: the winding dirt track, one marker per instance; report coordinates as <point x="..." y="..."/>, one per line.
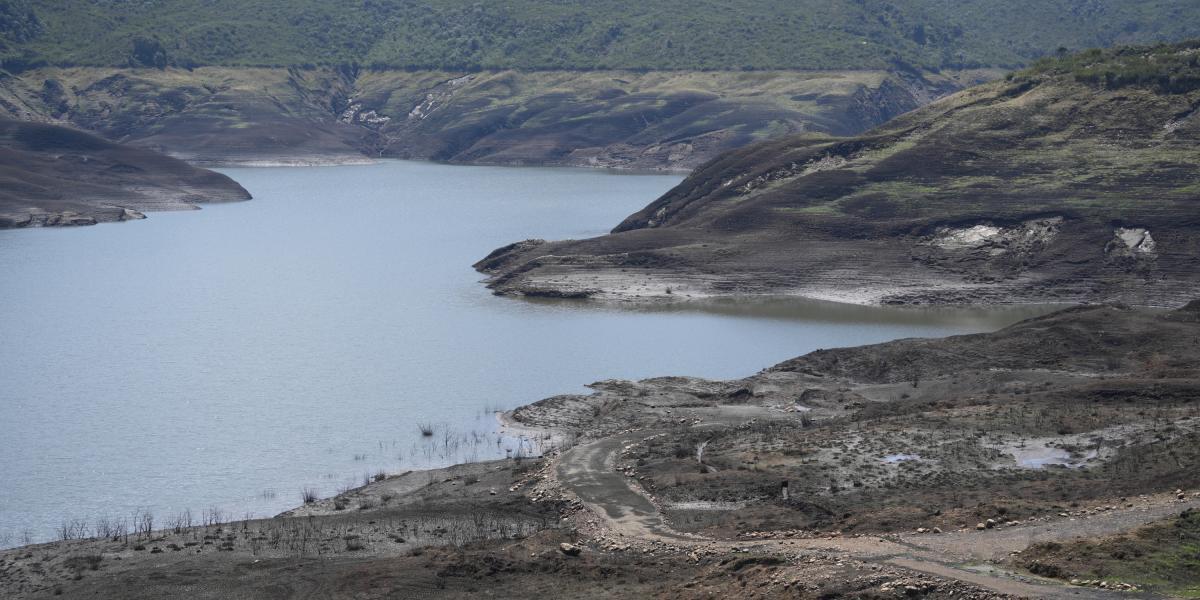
<point x="588" y="472"/>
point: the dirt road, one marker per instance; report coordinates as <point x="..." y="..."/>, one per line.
<point x="626" y="512"/>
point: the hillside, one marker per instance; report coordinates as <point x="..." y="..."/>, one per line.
<point x="1072" y="181"/>
<point x="626" y="119"/>
<point x="608" y="34"/>
<point x="617" y="84"/>
<point x="52" y="175"/>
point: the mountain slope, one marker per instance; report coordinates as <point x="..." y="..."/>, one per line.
<point x="1075" y="180"/>
<point x="613" y="83"/>
<point x="607" y="34"/>
<point x="52" y="175"/>
<point x="655" y="120"/>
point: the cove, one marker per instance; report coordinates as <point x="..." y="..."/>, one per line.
<point x="228" y="358"/>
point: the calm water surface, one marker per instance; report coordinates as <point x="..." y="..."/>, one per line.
<point x="231" y="356"/>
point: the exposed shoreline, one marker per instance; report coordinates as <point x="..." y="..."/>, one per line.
<point x="613" y="486"/>
<point x="282" y="163"/>
<point x="623" y="287"/>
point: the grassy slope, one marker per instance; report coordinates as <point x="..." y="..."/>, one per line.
<point x="1051" y="138"/>
<point x="1095" y="143"/>
<point x="539" y="34"/>
<point x="1164" y="556"/>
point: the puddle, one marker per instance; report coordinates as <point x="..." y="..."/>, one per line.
<point x="1037" y="458"/>
<point x="1040" y="457"/>
<point x="899" y="458"/>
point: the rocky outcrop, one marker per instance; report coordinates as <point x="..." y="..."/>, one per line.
<point x="987" y="251"/>
<point x="1133" y="242"/>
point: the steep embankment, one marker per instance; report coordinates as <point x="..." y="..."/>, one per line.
<point x="1072" y="181"/>
<point x="662" y="120"/>
<point x="52" y="175"/>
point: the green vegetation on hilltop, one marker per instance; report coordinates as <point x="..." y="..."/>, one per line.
<point x="1167" y="68"/>
<point x="603" y="34"/>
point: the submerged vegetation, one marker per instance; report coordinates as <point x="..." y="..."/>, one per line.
<point x="427" y="453"/>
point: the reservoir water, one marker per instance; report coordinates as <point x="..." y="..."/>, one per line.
<point x="229" y="357"/>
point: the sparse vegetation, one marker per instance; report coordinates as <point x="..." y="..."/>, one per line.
<point x="875" y="455"/>
<point x="1164" y="556"/>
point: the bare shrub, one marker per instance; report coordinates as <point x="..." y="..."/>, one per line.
<point x="105" y="527"/>
<point x="73" y="529"/>
<point x="213" y="516"/>
<point x="180" y="522"/>
<point x="143" y="523"/>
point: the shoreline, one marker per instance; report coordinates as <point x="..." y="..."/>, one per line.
<point x="522" y="270"/>
<point x="555" y="438"/>
<point x="651" y="468"/>
<point x="878" y="298"/>
<point x="272" y="163"/>
<point x="112" y="212"/>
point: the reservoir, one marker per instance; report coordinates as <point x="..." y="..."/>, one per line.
<point x="230" y="357"/>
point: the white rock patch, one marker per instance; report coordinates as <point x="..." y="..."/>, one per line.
<point x="1136" y="240"/>
<point x="1005" y="239"/>
<point x="970" y="237"/>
